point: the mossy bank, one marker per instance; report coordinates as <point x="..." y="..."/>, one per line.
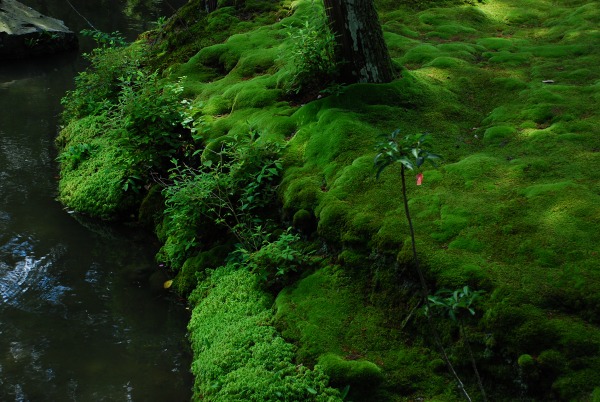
<point x="258" y="180"/>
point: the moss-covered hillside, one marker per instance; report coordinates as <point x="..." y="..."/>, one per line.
<point x="213" y="130"/>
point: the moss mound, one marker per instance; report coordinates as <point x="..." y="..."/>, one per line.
<point x="508" y="91"/>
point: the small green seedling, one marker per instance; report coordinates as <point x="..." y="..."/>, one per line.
<point x="455" y="303"/>
<point x="411" y="151"/>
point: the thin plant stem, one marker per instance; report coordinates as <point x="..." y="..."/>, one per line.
<point x="479" y="382"/>
<point x="425" y="290"/>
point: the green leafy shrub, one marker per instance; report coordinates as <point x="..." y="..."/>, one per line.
<point x="135" y="128"/>
<point x="231" y="192"/>
<point x="312" y="55"/>
<point x="274" y="261"/>
<point x="74" y="154"/>
<point x="105" y="39"/>
<point x="97" y="88"/>
<point x="148" y="121"/>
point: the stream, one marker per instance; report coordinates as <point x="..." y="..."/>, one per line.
<point x="78" y="318"/>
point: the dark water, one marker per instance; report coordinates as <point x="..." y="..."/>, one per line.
<point x="75" y="325"/>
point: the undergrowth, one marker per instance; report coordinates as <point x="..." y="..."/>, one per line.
<point x="507" y="89"/>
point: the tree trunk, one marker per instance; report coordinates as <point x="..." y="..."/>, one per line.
<point x="210" y="5"/>
<point x="360" y="48"/>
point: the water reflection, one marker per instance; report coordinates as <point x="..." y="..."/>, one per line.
<point x="129" y="17"/>
<point x="73" y="325"/>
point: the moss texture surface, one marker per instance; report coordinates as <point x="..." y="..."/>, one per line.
<point x="509" y="91"/>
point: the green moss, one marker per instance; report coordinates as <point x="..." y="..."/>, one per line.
<point x="333" y="219"/>
<point x="469" y="242"/>
<point x="195" y="267"/>
<point x="218" y="105"/>
<point x="512" y="84"/>
<point x="596" y="395"/>
<point x="471" y="274"/>
<point x="526" y="362"/>
<point x="321" y="313"/>
<point x="212" y="151"/>
<point x="303" y="192"/>
<point x="548" y="189"/>
<point x="361" y="375"/>
<point x="151" y="209"/>
<point x="509" y="210"/>
<point x="498" y="133"/>
<point x="579" y="383"/>
<point x="221" y="19"/>
<point x="552" y="361"/>
<point x="421" y="54"/>
<point x="558" y="51"/>
<point x="400" y="29"/>
<point x="237" y="354"/>
<point x="245" y="95"/>
<point x="334" y="327"/>
<point x="445" y="62"/>
<point x="304" y="221"/>
<point x="496" y="43"/>
<point x="522" y="17"/>
<point x="94" y="185"/>
<point x="447" y="31"/>
<point x="508" y="58"/>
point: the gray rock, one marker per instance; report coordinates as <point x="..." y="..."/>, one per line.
<point x="24" y="32"/>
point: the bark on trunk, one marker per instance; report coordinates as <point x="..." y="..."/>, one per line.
<point x="360" y="45"/>
<point x="210" y="5"/>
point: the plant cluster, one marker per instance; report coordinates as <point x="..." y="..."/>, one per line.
<point x="122" y="127"/>
<point x="312" y="53"/>
<point x="275" y="261"/>
<point x="75" y="154"/>
<point x="105" y="40"/>
<point x="231" y="193"/>
<point x="147" y="122"/>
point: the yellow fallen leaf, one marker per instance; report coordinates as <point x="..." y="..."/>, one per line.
<point x="168" y="284"/>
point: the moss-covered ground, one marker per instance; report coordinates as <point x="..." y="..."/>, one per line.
<point x="509" y="91"/>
